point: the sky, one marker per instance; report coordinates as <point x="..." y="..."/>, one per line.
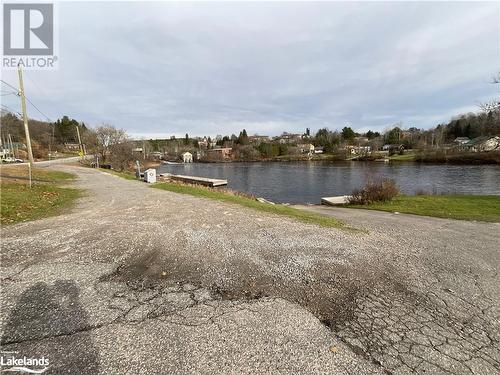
<point x="158" y="69"/>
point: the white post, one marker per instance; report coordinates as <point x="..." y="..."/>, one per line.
<point x="29" y="173"/>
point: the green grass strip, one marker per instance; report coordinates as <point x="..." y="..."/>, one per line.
<point x="460" y="207"/>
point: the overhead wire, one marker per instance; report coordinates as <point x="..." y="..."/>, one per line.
<point x="8" y="84"/>
<point x="10" y="109"/>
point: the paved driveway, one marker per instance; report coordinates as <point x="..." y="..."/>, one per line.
<point x="139" y="280"/>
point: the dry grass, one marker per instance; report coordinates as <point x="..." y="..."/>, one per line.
<point x="382" y="190"/>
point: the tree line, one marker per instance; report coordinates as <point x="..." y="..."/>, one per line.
<point x="105" y="139"/>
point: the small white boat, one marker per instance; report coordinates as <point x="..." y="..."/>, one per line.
<point x="171" y="163"/>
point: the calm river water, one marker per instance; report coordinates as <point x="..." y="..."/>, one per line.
<point x="307" y="182"/>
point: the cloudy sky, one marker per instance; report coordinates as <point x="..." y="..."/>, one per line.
<point x="158" y="69"/>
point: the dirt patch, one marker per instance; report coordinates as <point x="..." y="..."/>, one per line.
<point x="328" y="290"/>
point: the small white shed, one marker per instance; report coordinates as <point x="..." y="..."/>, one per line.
<point x="150" y="175"/>
<point x="187" y="157"/>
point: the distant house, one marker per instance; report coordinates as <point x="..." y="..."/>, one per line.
<point x="306" y="148"/>
<point x="483" y="144"/>
<point x="4" y="152"/>
<point x="259" y="138"/>
<point x="187" y="157"/>
<point x="461" y="140"/>
<point x="10" y="148"/>
<point x="72" y="146"/>
<point x="14" y="145"/>
<point x="351" y="149"/>
<point x="220" y="153"/>
<point x="393" y="147"/>
<point x="156" y="155"/>
<point x="203" y="143"/>
<point x="287" y="138"/>
<point x="354" y="150"/>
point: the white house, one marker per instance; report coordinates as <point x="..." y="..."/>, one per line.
<point x="187" y="157"/>
<point x="461" y="140"/>
<point x="306" y="148"/>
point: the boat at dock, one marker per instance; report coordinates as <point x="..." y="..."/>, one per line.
<point x="171" y="163"/>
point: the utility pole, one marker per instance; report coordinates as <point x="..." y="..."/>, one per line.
<point x="25" y="116"/>
<point x="82" y="151"/>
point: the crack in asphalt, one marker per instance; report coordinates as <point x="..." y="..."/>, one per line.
<point x="422" y="332"/>
<point x="139" y="301"/>
<point x="400" y="330"/>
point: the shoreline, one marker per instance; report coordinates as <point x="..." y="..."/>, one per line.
<point x="417" y="158"/>
<point x="433" y="162"/>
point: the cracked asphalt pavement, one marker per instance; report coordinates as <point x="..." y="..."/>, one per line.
<point x="139" y="280"/>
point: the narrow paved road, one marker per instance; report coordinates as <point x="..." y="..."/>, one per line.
<point x="47" y="163"/>
<point x="139" y="280"/>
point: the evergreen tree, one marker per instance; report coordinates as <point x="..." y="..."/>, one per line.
<point x="242" y="138"/>
<point x="348" y="134"/>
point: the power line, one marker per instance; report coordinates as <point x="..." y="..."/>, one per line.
<point x="9" y="91"/>
<point x="8" y="84"/>
<point x="29" y="101"/>
<point x="34" y="106"/>
<point x="10" y="110"/>
<point x="42" y="91"/>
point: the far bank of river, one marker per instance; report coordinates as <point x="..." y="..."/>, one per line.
<point x="307" y="182"/>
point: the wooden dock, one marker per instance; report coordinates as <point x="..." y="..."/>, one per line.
<point x="335" y="201"/>
<point x="212" y="182"/>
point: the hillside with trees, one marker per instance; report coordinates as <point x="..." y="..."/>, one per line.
<point x="46" y="137"/>
<point x="61" y="136"/>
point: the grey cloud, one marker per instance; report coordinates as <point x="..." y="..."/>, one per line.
<point x="212" y="68"/>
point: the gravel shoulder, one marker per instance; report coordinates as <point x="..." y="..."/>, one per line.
<point x="413" y="295"/>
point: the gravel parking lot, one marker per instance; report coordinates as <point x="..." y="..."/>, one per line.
<point x="190" y="285"/>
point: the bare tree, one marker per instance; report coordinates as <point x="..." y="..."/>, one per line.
<point x="492" y="105"/>
<point x="121" y="155"/>
<point x="107" y="137"/>
<point x="112" y="145"/>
